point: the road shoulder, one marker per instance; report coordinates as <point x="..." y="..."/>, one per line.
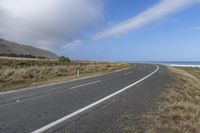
<point x="178" y="109"/>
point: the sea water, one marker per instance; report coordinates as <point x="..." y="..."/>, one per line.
<point x="181" y="63"/>
<point x="174" y="63"/>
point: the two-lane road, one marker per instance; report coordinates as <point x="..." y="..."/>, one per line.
<point x="66" y="106"/>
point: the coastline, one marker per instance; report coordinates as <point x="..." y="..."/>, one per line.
<point x="179" y="65"/>
<point x="193" y="64"/>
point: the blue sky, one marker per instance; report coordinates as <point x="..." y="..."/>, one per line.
<point x="169" y="39"/>
<point x="116" y="30"/>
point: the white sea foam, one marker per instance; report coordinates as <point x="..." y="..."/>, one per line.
<point x="180" y="65"/>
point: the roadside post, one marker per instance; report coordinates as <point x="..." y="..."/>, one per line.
<point x="78" y="72"/>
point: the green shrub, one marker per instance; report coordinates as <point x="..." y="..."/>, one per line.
<point x="64" y="59"/>
<point x="41" y="57"/>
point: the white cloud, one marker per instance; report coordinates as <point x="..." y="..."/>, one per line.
<point x="47" y="23"/>
<point x="72" y="45"/>
<point x="158" y="11"/>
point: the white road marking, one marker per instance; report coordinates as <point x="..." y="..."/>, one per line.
<point x="128" y="73"/>
<point x="45" y="128"/>
<point x="48" y="85"/>
<point x="85" y="84"/>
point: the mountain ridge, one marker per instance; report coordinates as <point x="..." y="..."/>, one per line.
<point x="8" y="47"/>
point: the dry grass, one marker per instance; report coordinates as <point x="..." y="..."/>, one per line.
<point x="179" y="109"/>
<point x="25" y="75"/>
<point x="192" y="70"/>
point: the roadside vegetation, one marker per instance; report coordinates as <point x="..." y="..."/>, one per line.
<point x="179" y="108"/>
<point x="192" y="70"/>
<point x="16" y="73"/>
<point x="22" y="56"/>
<point x="64" y="59"/>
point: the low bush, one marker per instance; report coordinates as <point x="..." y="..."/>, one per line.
<point x="64" y="59"/>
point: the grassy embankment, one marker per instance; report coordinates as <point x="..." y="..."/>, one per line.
<point x="179" y="108"/>
<point x="17" y="73"/>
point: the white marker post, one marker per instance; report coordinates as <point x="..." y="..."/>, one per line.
<point x="78" y="72"/>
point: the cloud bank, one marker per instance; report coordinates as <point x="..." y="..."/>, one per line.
<point x="158" y="11"/>
<point x="47" y="24"/>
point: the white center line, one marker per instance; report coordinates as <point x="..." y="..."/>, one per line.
<point x="85" y="84"/>
<point x="47" y="127"/>
<point x="128" y="73"/>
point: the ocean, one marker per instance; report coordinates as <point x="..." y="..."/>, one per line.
<point x="175" y="63"/>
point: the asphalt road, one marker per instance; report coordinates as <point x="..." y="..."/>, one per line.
<point x="106" y="103"/>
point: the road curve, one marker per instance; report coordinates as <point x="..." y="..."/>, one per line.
<point x="77" y="105"/>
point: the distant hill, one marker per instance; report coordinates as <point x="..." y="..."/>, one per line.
<point x="7" y="48"/>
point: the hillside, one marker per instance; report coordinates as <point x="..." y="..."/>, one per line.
<point x="7" y="47"/>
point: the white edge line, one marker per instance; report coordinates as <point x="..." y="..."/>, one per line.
<point x="90" y="83"/>
<point x="45" y="128"/>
